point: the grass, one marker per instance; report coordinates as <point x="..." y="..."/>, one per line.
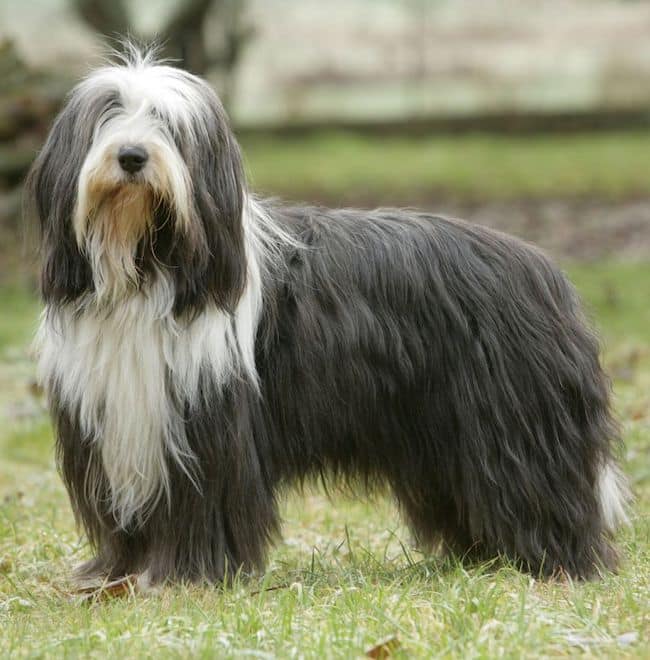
<point x="344" y="168"/>
<point x="17" y="318"/>
<point x="345" y="577"/>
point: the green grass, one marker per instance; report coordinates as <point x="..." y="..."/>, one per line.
<point x="340" y="167"/>
<point x="17" y="313"/>
<point x="345" y="577"/>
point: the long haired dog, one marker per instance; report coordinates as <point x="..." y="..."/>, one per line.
<point x="202" y="349"/>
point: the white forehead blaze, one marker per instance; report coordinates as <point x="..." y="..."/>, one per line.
<point x="176" y="95"/>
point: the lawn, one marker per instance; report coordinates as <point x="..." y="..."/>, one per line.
<point x="346" y="168"/>
<point x="345" y="577"/>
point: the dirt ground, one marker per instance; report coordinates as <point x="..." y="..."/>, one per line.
<point x="581" y="229"/>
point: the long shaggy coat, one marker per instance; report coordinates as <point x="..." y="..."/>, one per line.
<point x="203" y="349"/>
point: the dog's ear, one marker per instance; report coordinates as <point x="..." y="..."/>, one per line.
<point x="214" y="266"/>
<point x="51" y="192"/>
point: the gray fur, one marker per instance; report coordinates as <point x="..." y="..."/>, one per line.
<point x="446" y="363"/>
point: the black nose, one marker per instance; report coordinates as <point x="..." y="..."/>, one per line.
<point x="132" y="159"/>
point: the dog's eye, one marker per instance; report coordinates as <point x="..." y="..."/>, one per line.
<point x="161" y="117"/>
<point x="113" y="106"/>
<point x="167" y="126"/>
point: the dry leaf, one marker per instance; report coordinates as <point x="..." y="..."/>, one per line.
<point x="639" y="414"/>
<point x="384" y="649"/>
<point x="275" y="588"/>
<point x="120" y="588"/>
<point x="35" y="389"/>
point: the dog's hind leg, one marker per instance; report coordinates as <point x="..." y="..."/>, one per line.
<point x="545" y="528"/>
<point x="542" y="490"/>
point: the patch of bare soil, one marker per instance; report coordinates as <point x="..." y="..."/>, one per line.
<point x="582" y="229"/>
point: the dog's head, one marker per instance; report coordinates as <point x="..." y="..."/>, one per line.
<point x="141" y="178"/>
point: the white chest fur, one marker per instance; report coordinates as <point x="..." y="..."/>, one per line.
<point x="124" y="374"/>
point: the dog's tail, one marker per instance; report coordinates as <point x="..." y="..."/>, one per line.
<point x="614" y="495"/>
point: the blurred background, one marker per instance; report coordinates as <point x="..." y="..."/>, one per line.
<point x="532" y="116"/>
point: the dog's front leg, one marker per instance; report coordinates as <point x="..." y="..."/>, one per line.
<point x="221" y="513"/>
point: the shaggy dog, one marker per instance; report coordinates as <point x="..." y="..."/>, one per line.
<point x="202" y="349"/>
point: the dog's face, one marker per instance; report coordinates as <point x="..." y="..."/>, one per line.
<point x="141" y="178"/>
